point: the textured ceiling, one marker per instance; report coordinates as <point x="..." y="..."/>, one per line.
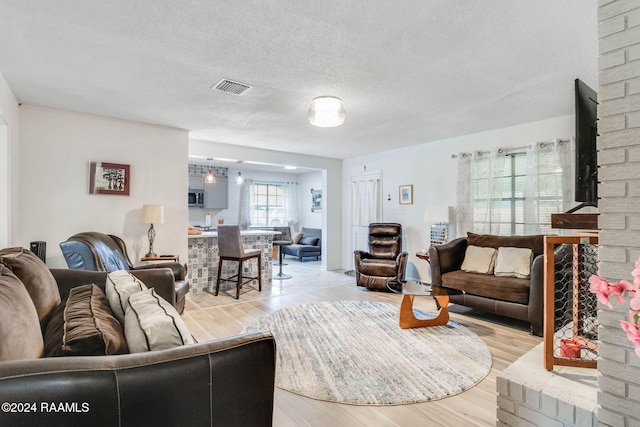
<point x="409" y="72"/>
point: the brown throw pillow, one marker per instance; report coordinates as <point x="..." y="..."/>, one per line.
<point x="20" y="334"/>
<point x="84" y="326"/>
<point x="36" y="277"/>
<point x="296" y="238"/>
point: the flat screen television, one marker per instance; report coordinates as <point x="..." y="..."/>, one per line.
<point x="586" y="176"/>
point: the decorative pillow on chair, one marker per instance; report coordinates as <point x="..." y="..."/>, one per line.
<point x="514" y="262"/>
<point x="313" y="241"/>
<point x="479" y="260"/>
<point x="151" y="323"/>
<point x="120" y="285"/>
<point x="83" y="325"/>
<point x="296" y="238"/>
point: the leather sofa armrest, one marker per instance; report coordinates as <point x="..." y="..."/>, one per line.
<point x="401" y="259"/>
<point x="197" y="384"/>
<point x="179" y="269"/>
<point x="536" y="295"/>
<point x="161" y="279"/>
<point x="358" y="255"/>
<point x="446" y="258"/>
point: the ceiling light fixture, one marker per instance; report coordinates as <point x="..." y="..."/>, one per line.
<point x="239" y="178"/>
<point x="327" y="111"/>
<point x="209" y="178"/>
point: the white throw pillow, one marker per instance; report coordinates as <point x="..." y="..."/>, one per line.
<point x="120" y="285"/>
<point x="151" y="323"/>
<point x="514" y="262"/>
<point x="478" y="259"/>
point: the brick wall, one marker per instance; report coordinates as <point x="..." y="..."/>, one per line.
<point x="619" y="159"/>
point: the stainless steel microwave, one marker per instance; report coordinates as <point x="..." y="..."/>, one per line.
<point x="196" y="199"/>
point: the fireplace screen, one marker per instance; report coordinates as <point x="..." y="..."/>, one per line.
<point x="571" y="322"/>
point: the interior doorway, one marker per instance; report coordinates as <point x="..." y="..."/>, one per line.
<point x="5" y="184"/>
<point x="366" y="207"/>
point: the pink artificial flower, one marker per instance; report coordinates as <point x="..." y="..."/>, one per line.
<point x="633" y="334"/>
<point x="636" y="273"/>
<point x="619" y="288"/>
<point x="600" y="287"/>
<point x="635" y="301"/>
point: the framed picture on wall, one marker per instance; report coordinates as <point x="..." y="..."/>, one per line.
<point x="406" y="194"/>
<point x="109" y="178"/>
<point x="316" y="200"/>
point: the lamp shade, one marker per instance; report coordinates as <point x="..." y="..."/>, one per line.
<point x="327" y="111"/>
<point x="152" y="214"/>
<point x="436" y="214"/>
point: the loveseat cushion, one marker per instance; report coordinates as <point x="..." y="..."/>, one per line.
<point x="36" y="278"/>
<point x="533" y="242"/>
<point x="83" y="325"/>
<point x="501" y="288"/>
<point x="151" y="323"/>
<point x="20" y="333"/>
<point x="479" y="260"/>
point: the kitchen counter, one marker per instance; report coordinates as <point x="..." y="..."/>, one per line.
<point x="203" y="257"/>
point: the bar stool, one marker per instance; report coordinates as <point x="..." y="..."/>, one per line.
<point x="230" y="248"/>
<point x="284" y="238"/>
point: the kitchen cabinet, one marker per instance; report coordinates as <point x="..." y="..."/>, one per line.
<point x="196" y="182"/>
<point x="216" y="196"/>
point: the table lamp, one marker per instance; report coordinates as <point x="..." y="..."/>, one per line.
<point x="439" y="217"/>
<point x="152" y="214"/>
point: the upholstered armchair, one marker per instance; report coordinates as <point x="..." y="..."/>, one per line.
<point x="385" y="260"/>
<point x="95" y="251"/>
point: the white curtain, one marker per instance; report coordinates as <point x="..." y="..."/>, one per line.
<point x="246" y="204"/>
<point x="290" y="192"/>
<point x="464" y="204"/>
<point x="548" y="186"/>
<point x="365" y="202"/>
<point x="485" y="179"/>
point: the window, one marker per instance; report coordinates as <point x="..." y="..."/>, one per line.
<point x="268" y="205"/>
<point x="498" y="198"/>
<point x="514" y="193"/>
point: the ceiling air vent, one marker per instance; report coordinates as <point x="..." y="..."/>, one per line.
<point x="229" y="86"/>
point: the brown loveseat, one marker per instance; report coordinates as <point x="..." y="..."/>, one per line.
<point x="517" y="298"/>
<point x="224" y="382"/>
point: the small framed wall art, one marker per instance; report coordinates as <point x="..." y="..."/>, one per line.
<point x="406" y="194"/>
<point x="316" y="200"/>
<point x="109" y="178"/>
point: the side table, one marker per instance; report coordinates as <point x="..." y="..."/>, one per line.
<point x="424" y="256"/>
<point x="161" y="258"/>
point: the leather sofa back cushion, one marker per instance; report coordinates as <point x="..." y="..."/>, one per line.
<point x="84" y="325"/>
<point x="151" y="323"/>
<point x="37" y="279"/>
<point x="533" y="242"/>
<point x="509" y="289"/>
<point x="20" y="333"/>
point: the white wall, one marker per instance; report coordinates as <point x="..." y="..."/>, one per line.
<point x="9" y="135"/>
<point x="53" y="201"/>
<point x="331" y="185"/>
<point x="433" y="173"/>
<point x="307" y="181"/>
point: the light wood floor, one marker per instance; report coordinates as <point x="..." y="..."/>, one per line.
<point x="210" y="317"/>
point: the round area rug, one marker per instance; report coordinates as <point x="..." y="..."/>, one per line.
<point x="354" y="352"/>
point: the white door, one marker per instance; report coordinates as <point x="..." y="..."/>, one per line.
<point x="366" y="207"/>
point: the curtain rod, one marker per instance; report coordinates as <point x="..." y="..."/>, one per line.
<point x="524" y="147"/>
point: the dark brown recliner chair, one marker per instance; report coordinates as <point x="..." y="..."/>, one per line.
<point x="385" y="261"/>
<point x="95" y="251"/>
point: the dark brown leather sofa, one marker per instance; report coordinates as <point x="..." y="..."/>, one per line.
<point x="224" y="382"/>
<point x="95" y="251"/>
<point x="506" y="296"/>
